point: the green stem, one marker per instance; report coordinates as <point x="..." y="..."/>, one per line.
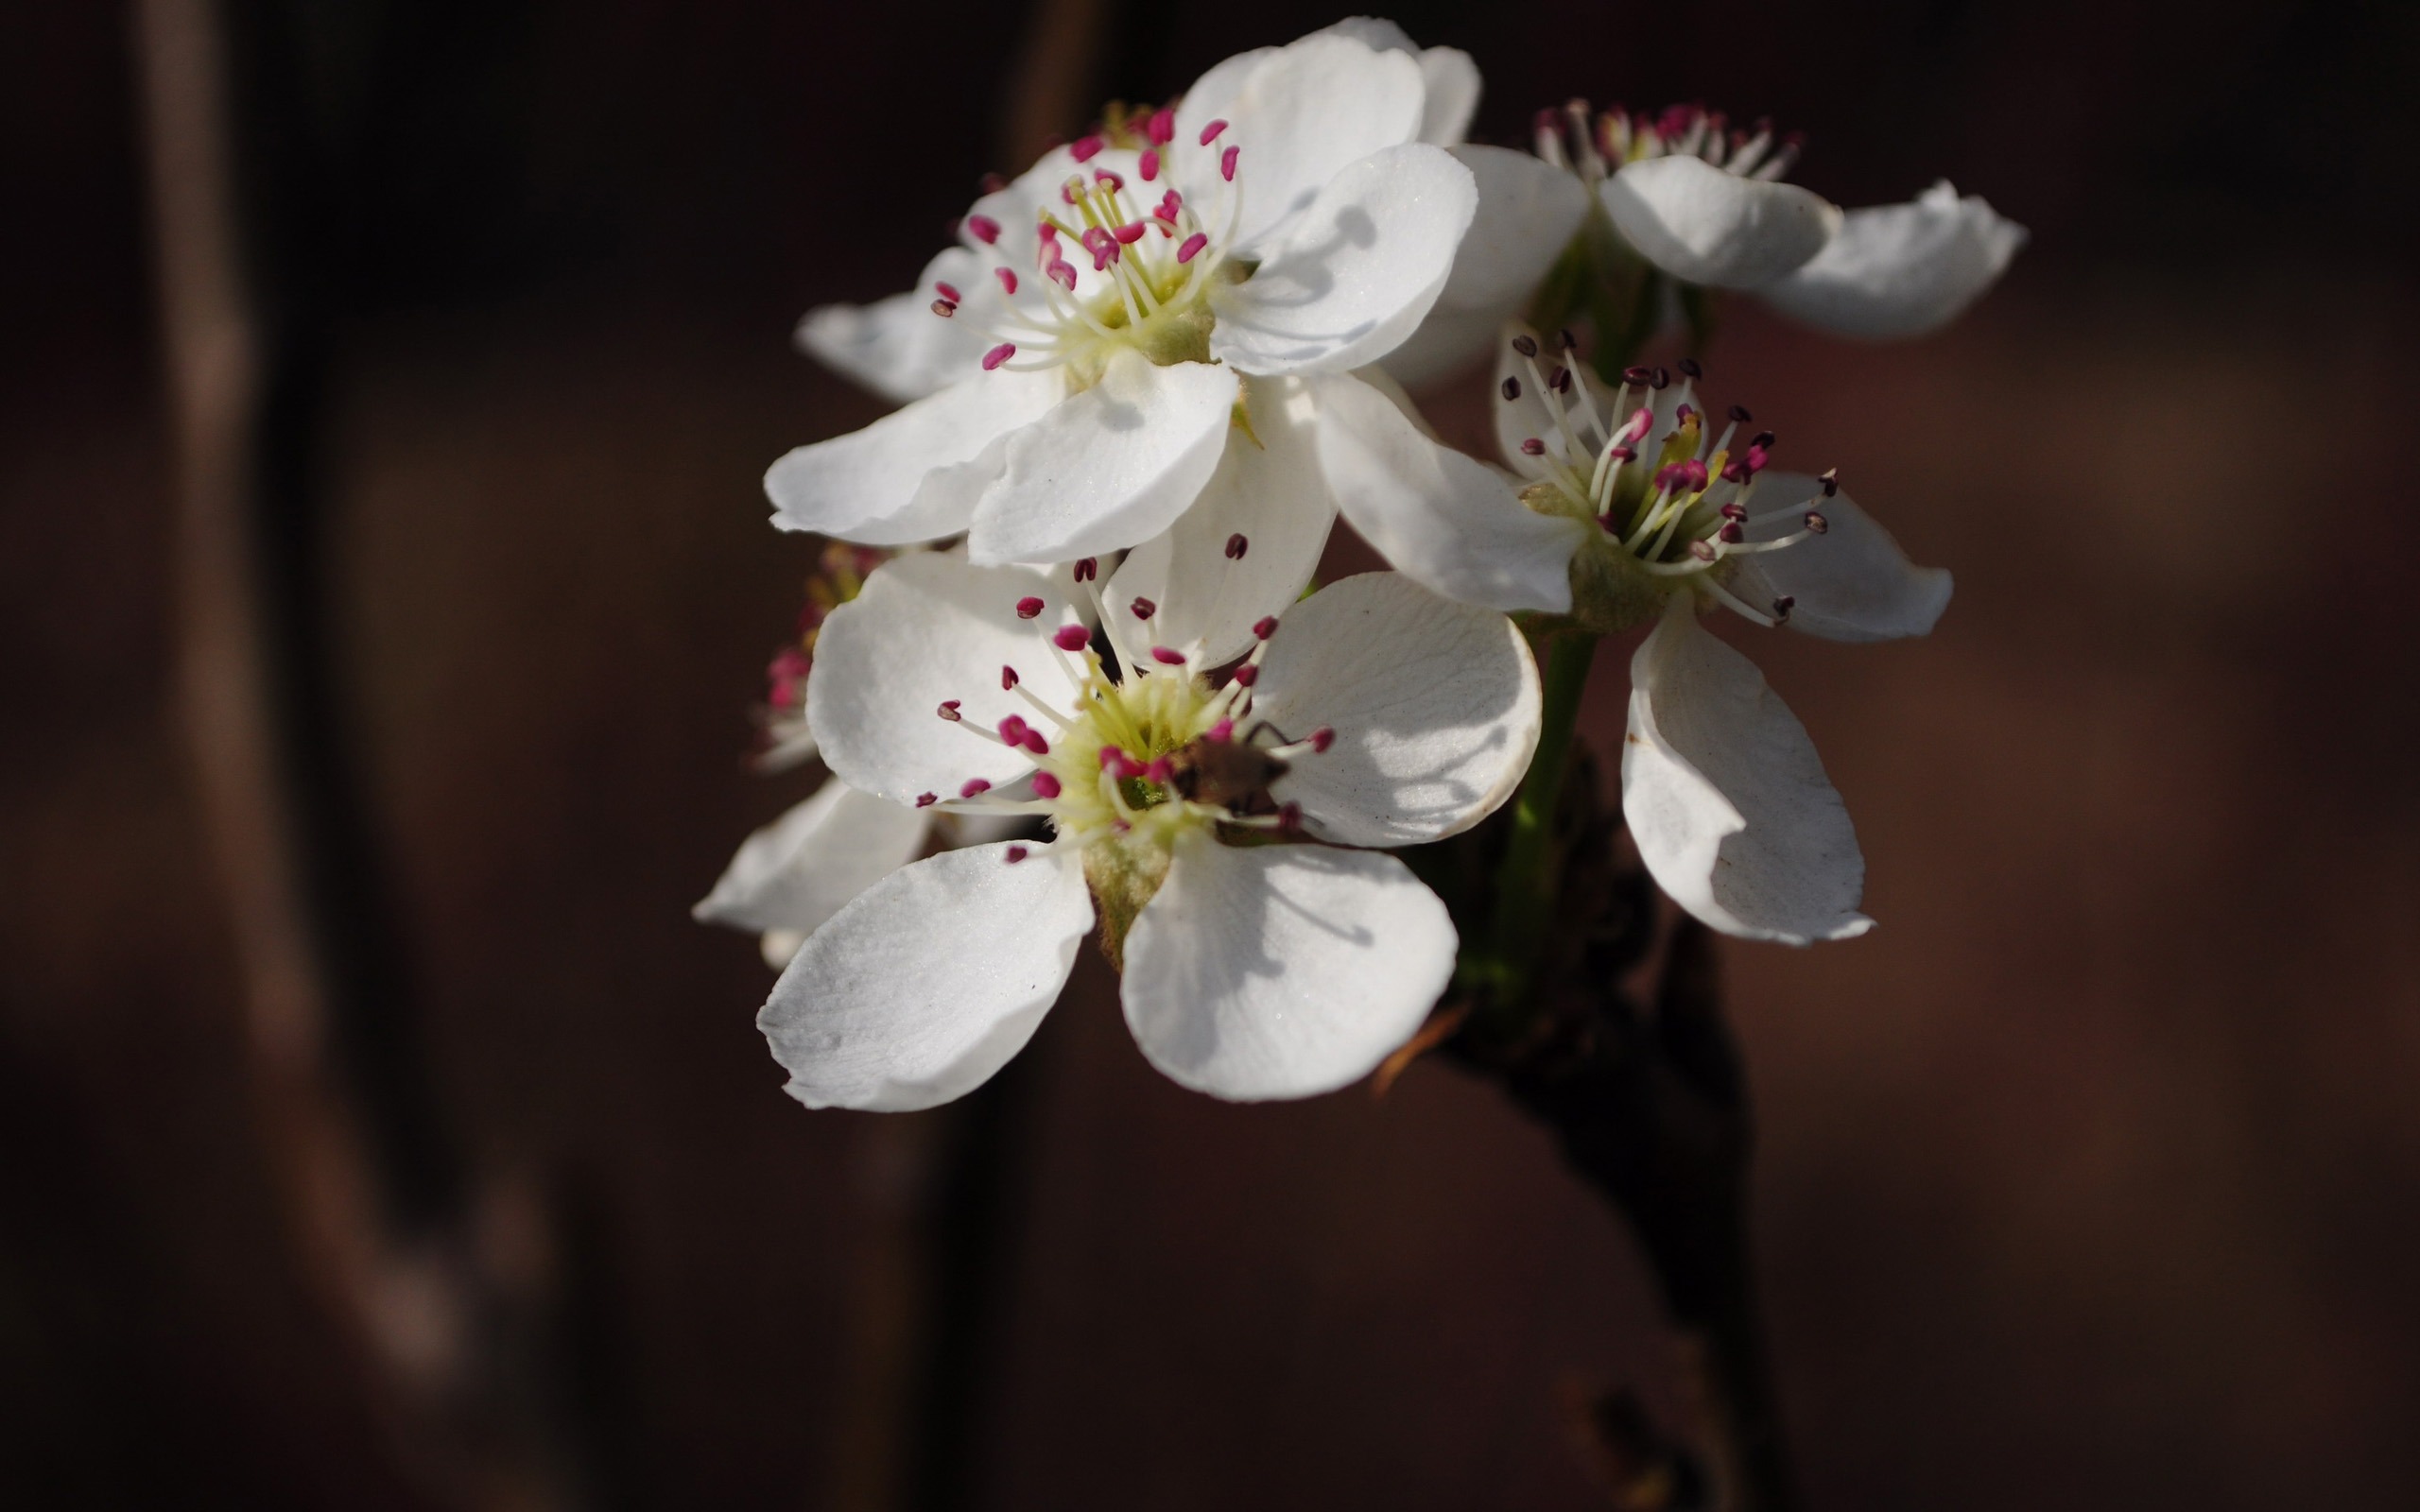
<point x="1525" y="880"/>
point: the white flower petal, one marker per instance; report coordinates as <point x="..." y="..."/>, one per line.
<point x="1453" y="524"/>
<point x="927" y="628"/>
<point x="1528" y="211"/>
<point x="1901" y="270"/>
<point x="927" y="982"/>
<point x="1448" y="73"/>
<point x="1453" y="84"/>
<point x="1269" y="490"/>
<point x="1708" y="226"/>
<point x="1851" y="583"/>
<point x="915" y="474"/>
<point x="1434" y="705"/>
<point x="1358" y="270"/>
<point x="898" y="347"/>
<point x="797" y="871"/>
<point x="1726" y="798"/>
<point x="1298" y="117"/>
<point x="1282" y="970"/>
<point x="1110" y="467"/>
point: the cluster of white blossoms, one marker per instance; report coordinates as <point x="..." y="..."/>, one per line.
<point x="1135" y="396"/>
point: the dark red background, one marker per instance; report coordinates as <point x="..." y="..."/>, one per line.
<point x="2088" y="1179"/>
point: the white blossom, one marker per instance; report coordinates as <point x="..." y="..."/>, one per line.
<point x="1079" y="362"/>
<point x="1207" y="825"/>
<point x="1708" y="206"/>
<point x="1637" y="506"/>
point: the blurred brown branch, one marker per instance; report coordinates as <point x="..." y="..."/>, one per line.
<point x="443" y="1287"/>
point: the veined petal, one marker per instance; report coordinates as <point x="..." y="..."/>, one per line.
<point x="1726" y="798"/>
<point x="927" y="982"/>
<point x="1357" y="269"/>
<point x="1270" y="491"/>
<point x="897" y="347"/>
<point x="906" y="476"/>
<point x="1110" y="467"/>
<point x="1901" y="270"/>
<point x="1298" y="117"/>
<point x="929" y="628"/>
<point x="1453" y="524"/>
<point x="1851" y="583"/>
<point x="797" y="871"/>
<point x="1434" y="705"/>
<point x="1282" y="970"/>
<point x="1528" y="211"/>
<point x="1708" y="226"/>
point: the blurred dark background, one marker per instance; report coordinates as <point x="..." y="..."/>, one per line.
<point x="2087" y="1180"/>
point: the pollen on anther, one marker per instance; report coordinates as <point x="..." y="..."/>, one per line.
<point x="1702" y="550"/>
<point x="1227" y="164"/>
<point x="983" y="228"/>
<point x="1087" y="568"/>
<point x="1045" y="785"/>
<point x="1008" y="679"/>
<point x="1246" y="675"/>
<point x="1013" y="729"/>
<point x="1014" y="854"/>
<point x="1236" y="546"/>
<point x="1321" y="739"/>
<point x="1265" y="627"/>
<point x="1008" y="279"/>
<point x="1029" y="607"/>
<point x="1210" y="132"/>
<point x="1512" y="388"/>
<point x="944" y="308"/>
<point x="1638" y="377"/>
<point x="925" y="800"/>
<point x="1168" y="656"/>
<point x="999" y="355"/>
<point x="1071" y="637"/>
<point x="1142" y="608"/>
<point x="949" y="710"/>
<point x="1085" y="148"/>
<point x="1191" y="247"/>
<point x="1524" y="346"/>
<point x="1533" y="447"/>
<point x="1817" y="524"/>
<point x="1161" y="129"/>
<point x="1732" y="533"/>
<point x="1149" y="167"/>
<point x="1130" y="232"/>
<point x="1661" y="379"/>
<point x="973" y="787"/>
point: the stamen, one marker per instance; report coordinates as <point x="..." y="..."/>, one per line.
<point x="1029" y="607"/>
<point x="1210" y="132"/>
<point x="999" y="355"/>
<point x="949" y="710"/>
<point x="1265" y="627"/>
<point x="1193" y="245"/>
<point x="925" y="800"/>
<point x="1142" y="608"/>
<point x="1227" y="164"/>
<point x="1236" y="546"/>
<point x="983" y="228"/>
<point x="1149" y="167"/>
<point x="1689" y="366"/>
<point x="1046" y="785"/>
<point x="1533" y="447"/>
<point x="1246" y="676"/>
<point x="1070" y="638"/>
<point x="1008" y="679"/>
<point x="1511" y="388"/>
<point x="1087" y="568"/>
<point x="1008" y="279"/>
<point x="1085" y="148"/>
<point x="1168" y="657"/>
<point x="1816" y="522"/>
<point x="973" y="786"/>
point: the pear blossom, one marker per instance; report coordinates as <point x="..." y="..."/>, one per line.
<point x="1212" y="826"/>
<point x="1118" y="324"/>
<point x="1708" y="206"/>
<point x="1636" y="505"/>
